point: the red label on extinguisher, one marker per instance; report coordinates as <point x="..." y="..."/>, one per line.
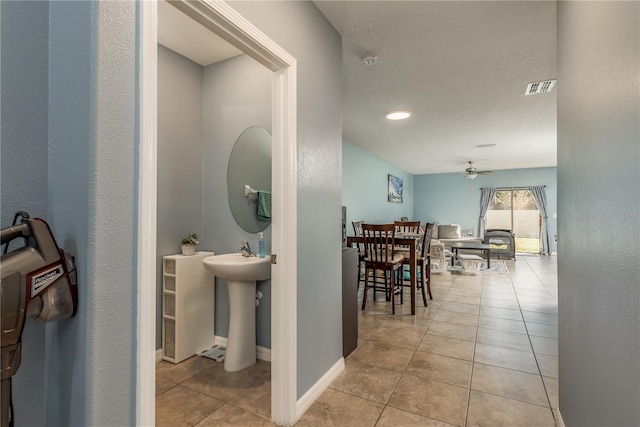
<point x="43" y="279"/>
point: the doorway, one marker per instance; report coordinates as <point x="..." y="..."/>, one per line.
<point x="222" y="20"/>
<point x="515" y="209"/>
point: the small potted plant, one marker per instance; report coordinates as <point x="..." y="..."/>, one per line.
<point x="189" y="243"/>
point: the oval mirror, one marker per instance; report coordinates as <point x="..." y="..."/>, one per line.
<point x="250" y="166"/>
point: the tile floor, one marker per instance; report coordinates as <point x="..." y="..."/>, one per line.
<point x="484" y="352"/>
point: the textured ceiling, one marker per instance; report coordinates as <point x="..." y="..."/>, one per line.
<point x="462" y="69"/>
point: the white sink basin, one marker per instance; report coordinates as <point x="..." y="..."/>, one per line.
<point x="239" y="268"/>
<point x="241" y="274"/>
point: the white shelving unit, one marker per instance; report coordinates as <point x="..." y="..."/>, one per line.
<point x="188" y="301"/>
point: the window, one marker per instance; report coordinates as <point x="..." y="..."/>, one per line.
<point x="515" y="210"/>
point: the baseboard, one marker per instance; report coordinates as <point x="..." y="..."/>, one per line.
<point x="558" y="417"/>
<point x="318" y="388"/>
<point x="262" y="353"/>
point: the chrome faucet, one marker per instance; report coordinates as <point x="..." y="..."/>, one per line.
<point x="246" y="249"/>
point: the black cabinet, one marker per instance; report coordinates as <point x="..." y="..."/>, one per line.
<point x="349" y="300"/>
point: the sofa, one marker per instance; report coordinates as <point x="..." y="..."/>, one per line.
<point x="449" y="234"/>
<point x="444" y="235"/>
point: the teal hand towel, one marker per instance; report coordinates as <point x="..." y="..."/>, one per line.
<point x="264" y="205"/>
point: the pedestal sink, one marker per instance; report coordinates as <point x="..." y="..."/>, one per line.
<point x="241" y="274"/>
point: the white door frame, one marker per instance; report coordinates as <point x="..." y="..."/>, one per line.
<point x="235" y="29"/>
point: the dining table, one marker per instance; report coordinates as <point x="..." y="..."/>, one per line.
<point x="409" y="240"/>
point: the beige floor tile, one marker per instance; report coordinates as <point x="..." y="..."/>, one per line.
<point x="440" y="368"/>
<point x="365" y="331"/>
<point x="504" y="339"/>
<point x="366" y="381"/>
<point x="222" y="385"/>
<point x="509" y="383"/>
<point x="504" y="313"/>
<point x="446" y="346"/>
<point x="181" y="406"/>
<point x="379" y="307"/>
<point x="256" y="399"/>
<point x="508" y="325"/>
<point x="163" y="385"/>
<point x="229" y="415"/>
<point x="548" y="365"/>
<point x="539" y="291"/>
<point x="455" y="317"/>
<point x="542" y="300"/>
<point x="488" y="410"/>
<point x="474" y="300"/>
<point x="540" y="317"/>
<point x="432" y="399"/>
<point x="550" y="308"/>
<point x="465" y="289"/>
<point x="543" y="345"/>
<point x="408" y="321"/>
<point x="184" y="370"/>
<point x="397" y="336"/>
<point x="459" y="307"/>
<point x="453" y="330"/>
<point x="500" y="303"/>
<point x="506" y="358"/>
<point x="551" y="385"/>
<point x="542" y="330"/>
<point x="366" y="318"/>
<point x="411" y="400"/>
<point x="383" y="356"/>
<point x="334" y="408"/>
<point x="392" y="417"/>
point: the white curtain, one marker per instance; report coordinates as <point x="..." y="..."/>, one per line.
<point x="486" y="195"/>
<point x="541" y="203"/>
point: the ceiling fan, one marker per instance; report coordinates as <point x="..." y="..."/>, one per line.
<point x="471" y="172"/>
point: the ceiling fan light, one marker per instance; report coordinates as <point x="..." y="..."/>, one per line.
<point x="472" y="175"/>
<point x="398" y="115"/>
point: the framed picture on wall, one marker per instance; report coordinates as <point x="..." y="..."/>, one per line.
<point x="395" y="189"/>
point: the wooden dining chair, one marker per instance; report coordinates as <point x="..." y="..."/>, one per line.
<point x="406" y="227"/>
<point x="424" y="263"/>
<point x="357" y="228"/>
<point x="380" y="256"/>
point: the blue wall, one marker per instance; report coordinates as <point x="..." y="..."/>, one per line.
<point x="452" y="199"/>
<point x="24" y="148"/>
<point x="236" y="95"/>
<point x="300" y="29"/>
<point x="598" y="180"/>
<point x="364" y="188"/>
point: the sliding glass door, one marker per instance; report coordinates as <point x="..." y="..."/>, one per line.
<point x="515" y="210"/>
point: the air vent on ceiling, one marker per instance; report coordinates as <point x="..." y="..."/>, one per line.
<point x="540" y="87"/>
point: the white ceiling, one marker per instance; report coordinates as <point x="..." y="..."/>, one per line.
<point x="178" y="32"/>
<point x="462" y="68"/>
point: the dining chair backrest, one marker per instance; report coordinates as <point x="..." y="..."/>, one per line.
<point x="379" y="242"/>
<point x="407" y="226"/>
<point x="426" y="241"/>
<point x="357" y="228"/>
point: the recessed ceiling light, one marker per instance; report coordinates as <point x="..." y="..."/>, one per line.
<point x="398" y="115"/>
<point x="369" y="59"/>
